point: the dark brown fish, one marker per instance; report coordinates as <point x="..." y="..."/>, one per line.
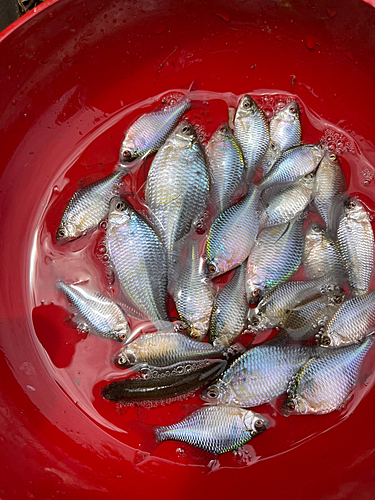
<point x="163" y="386"/>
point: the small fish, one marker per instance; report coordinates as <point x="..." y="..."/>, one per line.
<point x="228" y="317"/>
<point x="232" y="234"/>
<point x="193" y="294"/>
<point x="325" y="382"/>
<point x="285" y="127"/>
<point x="275" y="307"/>
<point x="258" y="376"/>
<point x="164" y="349"/>
<point x="356" y="245"/>
<point x="251" y="131"/>
<point x="215" y="429"/>
<point x="227" y="166"/>
<point x="138" y="259"/>
<point x="311" y="317"/>
<point x="89" y="205"/>
<point x="138" y="390"/>
<point x="320" y="254"/>
<point x="177" y="187"/>
<point x="294" y="163"/>
<point x="290" y="202"/>
<point x="351" y="323"/>
<point x="274" y="258"/>
<point x="331" y="190"/>
<point x="96" y="313"/>
<point x="150" y="131"/>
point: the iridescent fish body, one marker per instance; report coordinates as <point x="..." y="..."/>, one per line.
<point x="95" y="313"/>
<point x="227" y="166"/>
<point x="229" y="313"/>
<point x="215" y="429"/>
<point x="356" y="245"/>
<point x="138" y="259"/>
<point x="177" y="187"/>
<point x="89" y="205"/>
<point x="326" y="381"/>
<point x="274" y="258"/>
<point x="232" y="234"/>
<point x="258" y="376"/>
<point x="251" y="130"/>
<point x="149" y="132"/>
<point x="164" y="349"/>
<point x="331" y="190"/>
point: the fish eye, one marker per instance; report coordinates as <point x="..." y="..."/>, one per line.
<point x="195" y="335"/>
<point x="126" y="154"/>
<point x="61" y="232"/>
<point x="321" y="146"/>
<point x="121" y="360"/>
<point x="120" y="206"/>
<point x="325" y="340"/>
<point x="211" y="268"/>
<point x="332" y="157"/>
<point x="351" y="204"/>
<point x="246" y="104"/>
<point x="186" y="129"/>
<point x="309" y="176"/>
<point x="338" y="299"/>
<point x="255" y="293"/>
<point x="255" y="321"/>
<point x="223" y="128"/>
<point x="293" y="109"/>
<point x="212" y="392"/>
<point x="122" y="336"/>
<point x="290" y="406"/>
<point x="273" y="146"/>
<point x="259" y="424"/>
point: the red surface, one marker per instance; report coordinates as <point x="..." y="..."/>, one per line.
<point x="66" y="76"/>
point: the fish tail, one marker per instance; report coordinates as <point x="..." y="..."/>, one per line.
<point x="150" y="435"/>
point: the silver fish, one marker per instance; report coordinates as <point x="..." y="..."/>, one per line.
<point x="293" y="164"/>
<point x="258" y="376"/>
<point x="285" y="127"/>
<point x="227" y="166"/>
<point x="251" y="131"/>
<point x="330" y="192"/>
<point x="215" y="429"/>
<point x="232" y="234"/>
<point x="326" y="381"/>
<point x="311" y="317"/>
<point x="193" y="294"/>
<point x="320" y="254"/>
<point x="351" y="323"/>
<point x="96" y="313"/>
<point x="274" y="258"/>
<point x="356" y="245"/>
<point x="291" y="201"/>
<point x="89" y="205"/>
<point x="149" y="132"/>
<point x="178" y="185"/>
<point x="138" y="259"/>
<point x="229" y="313"/>
<point x="277" y="305"/>
<point x="164" y="349"/>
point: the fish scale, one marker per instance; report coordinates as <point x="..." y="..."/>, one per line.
<point x="258" y="376"/>
<point x="163" y="349"/>
<point x="215" y="429"/>
<point x="138" y="259"/>
<point x="325" y="383"/>
<point x="149" y="132"/>
<point x="99" y="314"/>
<point x="276" y="255"/>
<point x="193" y="294"/>
<point x="355" y="227"/>
<point x="232" y="234"/>
<point x="227" y="166"/>
<point x="353" y="321"/>
<point x="89" y="205"/>
<point x="177" y="187"/>
<point x="230" y="309"/>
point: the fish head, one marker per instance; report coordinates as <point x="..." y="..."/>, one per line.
<point x="254" y="422"/>
<point x="185" y="134"/>
<point x="133" y="146"/>
<point x="314" y="234"/>
<point x="318" y="151"/>
<point x="308" y="180"/>
<point x="212" y="267"/>
<point x="222" y="133"/>
<point x="255" y="286"/>
<point x="125" y="357"/>
<point x="296" y="405"/>
<point x="67" y="231"/>
<point x="354" y="209"/>
<point x="215" y="393"/>
<point x="120" y="211"/>
<point x="331" y="339"/>
<point x="247" y="107"/>
<point x="120" y="333"/>
<point x="331" y="160"/>
<point x="197" y="331"/>
<point x="257" y="321"/>
<point x="291" y="111"/>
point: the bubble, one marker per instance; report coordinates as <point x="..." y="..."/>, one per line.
<point x="180" y="452"/>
